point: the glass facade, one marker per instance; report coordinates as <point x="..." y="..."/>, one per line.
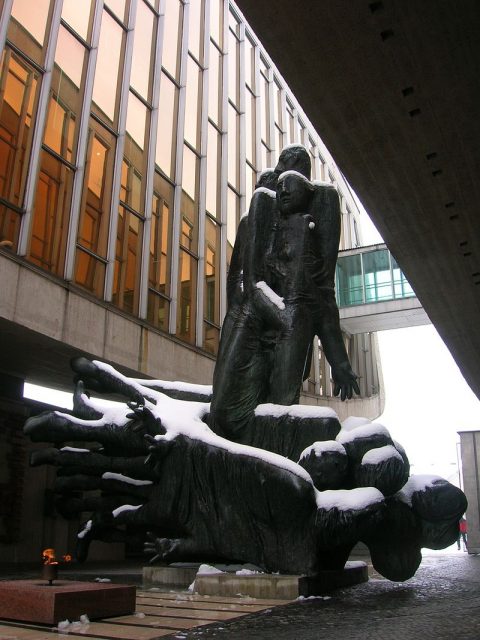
<point x="370" y="276"/>
<point x="132" y="133"/>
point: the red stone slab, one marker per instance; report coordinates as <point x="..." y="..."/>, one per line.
<point x="36" y="601"/>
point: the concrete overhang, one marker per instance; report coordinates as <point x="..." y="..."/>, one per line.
<point x="393" y="89"/>
<point x="382" y="316"/>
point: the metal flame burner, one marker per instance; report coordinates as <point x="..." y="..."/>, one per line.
<point x="50" y="573"/>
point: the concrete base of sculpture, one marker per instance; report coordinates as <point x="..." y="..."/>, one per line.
<point x="281" y="587"/>
<point x="180" y="577"/>
<point x="256" y="585"/>
<point x="37" y="601"/>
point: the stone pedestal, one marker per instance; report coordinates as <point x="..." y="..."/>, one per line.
<point x="256" y="585"/>
<point x="36" y="601"/>
<point x="180" y="577"/>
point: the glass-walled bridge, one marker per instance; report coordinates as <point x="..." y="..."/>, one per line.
<point x="373" y="293"/>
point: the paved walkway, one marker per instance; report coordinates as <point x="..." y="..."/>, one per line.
<point x="442" y="602"/>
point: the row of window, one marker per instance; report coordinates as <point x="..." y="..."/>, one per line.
<point x="131" y="136"/>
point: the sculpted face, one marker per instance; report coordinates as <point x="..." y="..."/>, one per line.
<point x="293" y="194"/>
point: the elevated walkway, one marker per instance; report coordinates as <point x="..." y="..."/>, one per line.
<point x="373" y="293"/>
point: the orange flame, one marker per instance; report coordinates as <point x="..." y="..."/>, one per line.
<point x="48" y="557"/>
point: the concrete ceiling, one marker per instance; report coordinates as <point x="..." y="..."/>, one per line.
<point x="393" y="89"/>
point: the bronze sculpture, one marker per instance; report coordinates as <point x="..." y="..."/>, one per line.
<point x="253" y="477"/>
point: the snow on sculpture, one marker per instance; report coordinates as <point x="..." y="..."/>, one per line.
<point x="250" y="476"/>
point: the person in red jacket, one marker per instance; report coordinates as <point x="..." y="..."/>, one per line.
<point x="462" y="533"/>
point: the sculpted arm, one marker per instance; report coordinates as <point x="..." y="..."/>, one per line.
<point x="261" y="219"/>
<point x="326" y="213"/>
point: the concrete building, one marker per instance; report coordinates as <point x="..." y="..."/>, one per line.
<point x="131" y="136"/>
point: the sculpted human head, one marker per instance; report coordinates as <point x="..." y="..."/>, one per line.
<point x="294" y="193"/>
<point x="267" y="179"/>
<point x="294" y="158"/>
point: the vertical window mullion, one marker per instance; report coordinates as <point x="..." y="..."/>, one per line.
<point x="224" y="167"/>
<point x="177" y="215"/>
<point x="150" y="169"/>
<point x="284" y="117"/>
<point x="269" y="98"/>
<point x="82" y="145"/>
<point x="258" y="115"/>
<point x="4" y="18"/>
<point x="117" y="167"/>
<point x="43" y="101"/>
<point x="243" y="132"/>
<point x="203" y="179"/>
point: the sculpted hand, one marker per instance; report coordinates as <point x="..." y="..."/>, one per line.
<point x="345" y="381"/>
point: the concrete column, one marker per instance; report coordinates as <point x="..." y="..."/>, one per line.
<point x="470" y="451"/>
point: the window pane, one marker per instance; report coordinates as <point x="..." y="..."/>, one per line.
<point x="232" y="217"/>
<point x="213" y="167"/>
<point x="349" y="280"/>
<point x="94" y="220"/>
<point x="264" y="109"/>
<point x="90" y="273"/>
<point x="135" y="158"/>
<point x="250" y="127"/>
<point x="193" y="103"/>
<point x="211" y="338"/>
<point x="195" y="29"/>
<point x="189" y="202"/>
<point x="233" y="69"/>
<point x="234" y="24"/>
<point x="51" y="214"/>
<point x="143" y="45"/>
<point x="402" y="288"/>
<point x="216" y="15"/>
<point x="9" y="227"/>
<point x="171" y="37"/>
<point x="110" y="51"/>
<point x="214" y="84"/>
<point x="20" y="84"/>
<point x="290" y="125"/>
<point x="27" y="26"/>
<point x="166" y="133"/>
<point x="377" y="276"/>
<point x="187" y="296"/>
<point x="127" y="260"/>
<point x="277" y="105"/>
<point x="160" y="236"/>
<point x="250" y="180"/>
<point x="264" y="161"/>
<point x="233" y="147"/>
<point x="211" y="308"/>
<point x="65" y="100"/>
<point x="118" y="8"/>
<point x="158" y="310"/>
<point x="249" y="64"/>
<point x="77" y="15"/>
